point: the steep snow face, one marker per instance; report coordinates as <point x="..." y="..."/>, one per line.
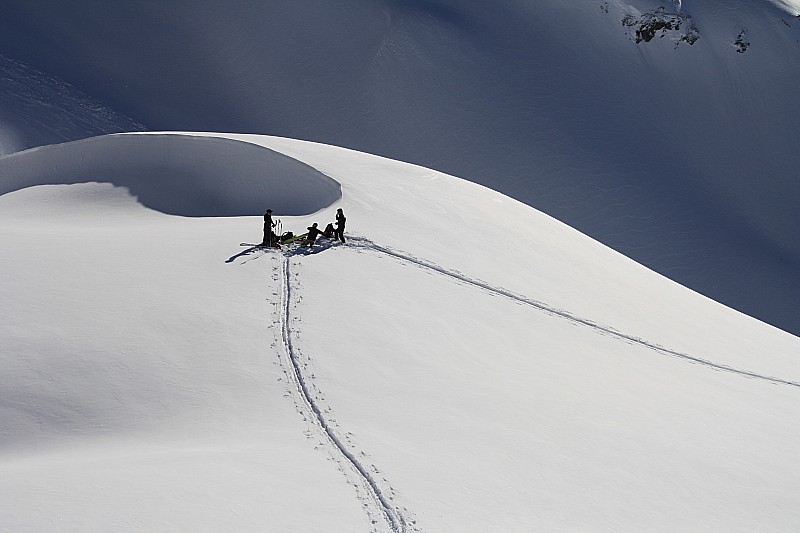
<point x="436" y="373"/>
<point x="679" y="151"/>
<point x="189" y="176"/>
<point x="37" y="108"/>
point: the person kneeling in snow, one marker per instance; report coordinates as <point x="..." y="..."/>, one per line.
<point x="313" y="232"/>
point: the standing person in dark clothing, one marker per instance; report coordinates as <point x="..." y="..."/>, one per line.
<point x="269" y="240"/>
<point x="313" y="232"/>
<point x="340" y="220"/>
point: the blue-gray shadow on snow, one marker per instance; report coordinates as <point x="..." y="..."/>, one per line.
<point x="321" y="244"/>
<point x="289" y="250"/>
<point x="193" y="176"/>
<point x="244" y="253"/>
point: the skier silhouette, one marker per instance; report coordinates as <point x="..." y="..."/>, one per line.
<point x="340" y="220"/>
<point x="269" y="235"/>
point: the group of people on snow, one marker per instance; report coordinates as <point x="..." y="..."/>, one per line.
<point x="271" y="239"/>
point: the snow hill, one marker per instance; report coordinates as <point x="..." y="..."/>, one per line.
<point x="435" y="373"/>
<point x="667" y="130"/>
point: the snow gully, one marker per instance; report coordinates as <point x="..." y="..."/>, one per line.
<point x="394" y="520"/>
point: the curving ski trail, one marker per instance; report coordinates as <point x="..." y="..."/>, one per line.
<point x="361" y="242"/>
<point x="394" y="520"/>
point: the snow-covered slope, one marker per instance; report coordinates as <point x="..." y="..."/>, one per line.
<point x="682" y="156"/>
<point x="37" y="108"/>
<point x="436" y="373"/>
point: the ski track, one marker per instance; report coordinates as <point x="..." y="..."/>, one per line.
<point x="361" y="242"/>
<point x="393" y="518"/>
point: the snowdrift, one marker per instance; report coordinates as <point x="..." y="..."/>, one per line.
<point x="179" y="175"/>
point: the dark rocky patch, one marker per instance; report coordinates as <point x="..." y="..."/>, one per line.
<point x="661" y="23"/>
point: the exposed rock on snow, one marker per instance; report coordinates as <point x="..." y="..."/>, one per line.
<point x="651" y="23"/>
<point x="741" y="43"/>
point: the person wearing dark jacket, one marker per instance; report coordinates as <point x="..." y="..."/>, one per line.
<point x="269" y="238"/>
<point x="313" y="232"/>
<point x="340" y="220"/>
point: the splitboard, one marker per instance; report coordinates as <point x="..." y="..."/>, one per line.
<point x="285" y="241"/>
<point x="295" y="238"/>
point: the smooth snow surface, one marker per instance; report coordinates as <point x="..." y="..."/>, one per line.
<point x="435" y="373"/>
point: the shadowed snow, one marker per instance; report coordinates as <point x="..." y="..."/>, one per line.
<point x="179" y="175"/>
<point x="37" y="108"/>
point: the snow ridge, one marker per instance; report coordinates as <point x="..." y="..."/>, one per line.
<point x="362" y="242"/>
<point x="394" y="519"/>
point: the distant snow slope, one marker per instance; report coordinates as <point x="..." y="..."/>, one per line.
<point x="681" y="156"/>
<point x="37" y="108"/>
<point x="510" y="376"/>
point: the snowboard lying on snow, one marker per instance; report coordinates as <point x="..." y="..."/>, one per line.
<point x="284" y="240"/>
